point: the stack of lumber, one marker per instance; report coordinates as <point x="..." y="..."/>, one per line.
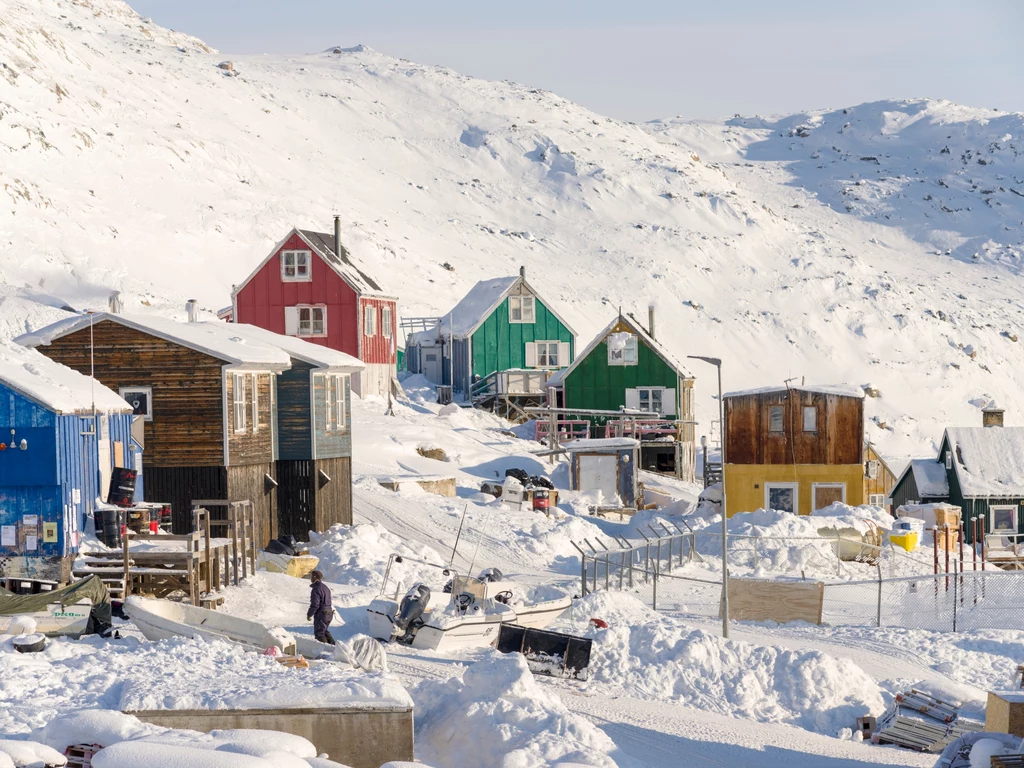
<point x="292" y="662"/>
<point x="934" y="725"/>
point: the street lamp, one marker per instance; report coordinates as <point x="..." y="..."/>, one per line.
<point x="725" y="529"/>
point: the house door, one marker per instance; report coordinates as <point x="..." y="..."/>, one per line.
<point x="432" y="365"/>
<point x="826" y="494"/>
<point x="600" y="473"/>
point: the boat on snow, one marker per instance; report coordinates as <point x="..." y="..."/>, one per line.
<point x="468" y="615"/>
<point x="74" y="610"/>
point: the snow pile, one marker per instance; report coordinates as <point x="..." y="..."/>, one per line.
<point x="28" y="754"/>
<point x="496" y="715"/>
<point x="657" y="657"/>
<point x="551" y="538"/>
<point x="357" y="555"/>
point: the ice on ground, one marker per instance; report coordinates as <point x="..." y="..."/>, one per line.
<point x="658" y="657"/>
<point x="496" y="715"/>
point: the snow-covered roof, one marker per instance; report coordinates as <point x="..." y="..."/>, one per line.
<point x="215" y="338"/>
<point x="314" y="354"/>
<point x="989" y="461"/>
<point x="54" y="386"/>
<point x="840" y="390"/>
<point x="930" y="478"/>
<point x="640" y="333"/>
<point x="476" y="306"/>
<point x="341" y="262"/>
<point x="606" y="443"/>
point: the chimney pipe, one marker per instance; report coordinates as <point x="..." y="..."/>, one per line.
<point x="522" y="272"/>
<point x="650" y="320"/>
<point x="991" y="416"/>
<point x="192" y="307"/>
<point x="337" y="236"/>
<point x="115" y="303"/>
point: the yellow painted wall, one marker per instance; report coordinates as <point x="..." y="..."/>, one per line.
<point x="744" y="483"/>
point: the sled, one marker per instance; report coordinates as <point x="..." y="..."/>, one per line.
<point x="547" y="653"/>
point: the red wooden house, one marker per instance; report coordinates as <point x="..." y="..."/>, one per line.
<point x="309" y="287"/>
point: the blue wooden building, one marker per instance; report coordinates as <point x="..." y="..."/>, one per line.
<point x="61" y="434"/>
<point x="313" y="433"/>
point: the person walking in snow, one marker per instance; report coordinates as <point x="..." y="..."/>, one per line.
<point x="320" y="609"/>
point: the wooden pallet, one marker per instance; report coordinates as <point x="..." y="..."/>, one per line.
<point x="292" y="662"/>
<point x="80" y="755"/>
<point x="1007" y="761"/>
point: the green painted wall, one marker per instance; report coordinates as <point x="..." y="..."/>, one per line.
<point x="595" y="385"/>
<point x="499" y="345"/>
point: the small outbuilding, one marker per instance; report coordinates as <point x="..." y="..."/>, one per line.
<point x="61" y="435"/>
<point x="608" y="466"/>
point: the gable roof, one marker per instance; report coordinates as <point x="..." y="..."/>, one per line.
<point x="54" y="386"/>
<point x="322" y="244"/>
<point x="317" y="355"/>
<point x="839" y="390"/>
<point x="929" y="476"/>
<point x="482" y="299"/>
<point x="988" y="461"/>
<point x="640" y="333"/>
<point x="211" y="337"/>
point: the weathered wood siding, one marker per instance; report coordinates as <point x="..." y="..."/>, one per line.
<point x="334" y="499"/>
<point x="838" y="439"/>
<point x="187" y="429"/>
<point x="249" y="483"/>
<point x="331" y="443"/>
<point x="309" y="502"/>
<point x="294" y="413"/>
<point x="180" y="486"/>
<point x="498" y="345"/>
<point x="252" y="445"/>
<point x="885" y="480"/>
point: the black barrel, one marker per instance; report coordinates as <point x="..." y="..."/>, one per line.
<point x="109" y="526"/>
<point x="122" y="487"/>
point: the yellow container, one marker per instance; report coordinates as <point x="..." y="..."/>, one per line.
<point x="906" y="539"/>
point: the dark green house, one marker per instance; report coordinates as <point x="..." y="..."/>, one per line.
<point x="984" y="473"/>
<point x="624" y="368"/>
<point x="502" y="339"/>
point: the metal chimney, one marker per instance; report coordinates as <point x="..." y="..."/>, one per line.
<point x="650" y="320"/>
<point x="522" y="272"/>
<point x="115" y="304"/>
<point x="337" y="236"/>
<point x="192" y="307"/>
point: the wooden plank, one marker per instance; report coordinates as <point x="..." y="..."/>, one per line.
<point x="754" y="600"/>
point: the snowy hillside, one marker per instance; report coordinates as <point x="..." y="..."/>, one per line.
<point x="132" y="162"/>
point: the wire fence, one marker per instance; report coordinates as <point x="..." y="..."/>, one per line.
<point x="961" y="600"/>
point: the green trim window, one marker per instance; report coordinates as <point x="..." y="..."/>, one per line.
<point x="522" y="309"/>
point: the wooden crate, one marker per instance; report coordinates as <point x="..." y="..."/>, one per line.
<point x="1005" y="712"/>
<point x="80" y="755"/>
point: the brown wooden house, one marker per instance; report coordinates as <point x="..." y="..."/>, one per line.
<point x="794" y="449"/>
<point x="206" y="393"/>
<point x="879" y="479"/>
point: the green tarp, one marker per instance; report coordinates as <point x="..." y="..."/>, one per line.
<point x="90" y="587"/>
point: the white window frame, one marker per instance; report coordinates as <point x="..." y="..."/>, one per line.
<point x="949" y="459"/>
<point x="519" y="304"/>
<point x="871" y="468"/>
<point x="336" y="391"/>
<point x="1014" y="510"/>
<point x="629" y="353"/>
<point x="796" y="495"/>
<point x="876" y="499"/>
<point x="650" y="399"/>
<point x="386" y="328"/>
<point x="816" y="486"/>
<point x="782" y="431"/>
<point x="148" y="415"/>
<point x="811" y="410"/>
<point x="255" y="403"/>
<point x="239" y="406"/>
<point x="310" y="324"/>
<point x="369" y="320"/>
<point x="300" y="265"/>
<point x="544" y="349"/>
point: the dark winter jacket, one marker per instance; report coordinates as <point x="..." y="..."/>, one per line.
<point x="319" y="599"/>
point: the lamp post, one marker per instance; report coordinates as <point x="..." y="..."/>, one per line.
<point x="725" y="529"/>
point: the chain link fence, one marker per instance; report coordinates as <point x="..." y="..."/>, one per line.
<point x="944" y="602"/>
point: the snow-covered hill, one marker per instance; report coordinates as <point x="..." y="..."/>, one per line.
<point x="130" y="161"/>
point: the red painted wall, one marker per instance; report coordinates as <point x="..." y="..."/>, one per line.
<point x="263" y="300"/>
<point x="378" y="348"/>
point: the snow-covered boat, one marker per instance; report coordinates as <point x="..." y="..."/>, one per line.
<point x="64" y="611"/>
<point x="467" y="617"/>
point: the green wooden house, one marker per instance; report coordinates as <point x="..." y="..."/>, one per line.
<point x="502" y="340"/>
<point x="984" y="473"/>
<point x="625" y="369"/>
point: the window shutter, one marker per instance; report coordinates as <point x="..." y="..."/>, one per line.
<point x="291" y="321"/>
<point x="668" y="402"/>
<point x="531" y="354"/>
<point x="563" y="354"/>
<point x="633" y="399"/>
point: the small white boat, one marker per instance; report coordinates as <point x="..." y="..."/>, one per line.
<point x="163" y="619"/>
<point x="52" y="620"/>
<point x="469" y="617"/>
<point x="66" y="610"/>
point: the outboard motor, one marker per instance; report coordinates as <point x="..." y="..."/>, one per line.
<point x="491" y="575"/>
<point x="411" y="608"/>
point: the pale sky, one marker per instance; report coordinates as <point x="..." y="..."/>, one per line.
<point x="646" y="59"/>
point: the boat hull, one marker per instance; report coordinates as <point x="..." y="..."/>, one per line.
<point x="541" y="615"/>
<point x="57" y="620"/>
